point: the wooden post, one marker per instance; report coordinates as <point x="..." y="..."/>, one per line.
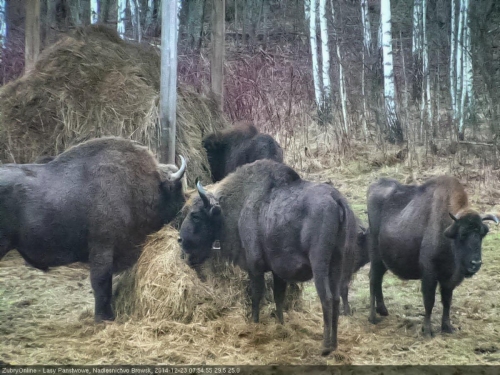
<point x="168" y="80"/>
<point x="217" y="61"/>
<point x="32" y="34"/>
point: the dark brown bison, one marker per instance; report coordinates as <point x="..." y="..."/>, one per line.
<point x="242" y="144"/>
<point x="425" y="232"/>
<point x="268" y="219"/>
<point x="94" y="203"/>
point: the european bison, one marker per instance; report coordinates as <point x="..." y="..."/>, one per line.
<point x="268" y="219"/>
<point x="242" y="144"/>
<point x="425" y="232"/>
<point x="94" y="203"/>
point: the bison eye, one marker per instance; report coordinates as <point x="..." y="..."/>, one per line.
<point x="196" y="217"/>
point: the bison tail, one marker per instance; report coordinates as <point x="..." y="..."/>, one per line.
<point x="348" y="232"/>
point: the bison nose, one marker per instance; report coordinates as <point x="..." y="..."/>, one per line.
<point x="475" y="265"/>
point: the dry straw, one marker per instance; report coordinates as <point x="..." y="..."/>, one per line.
<point x="90" y="84"/>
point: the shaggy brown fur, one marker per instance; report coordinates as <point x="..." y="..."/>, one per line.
<point x="425" y="232"/>
<point x="94" y="203"/>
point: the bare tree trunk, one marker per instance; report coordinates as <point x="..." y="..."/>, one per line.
<point x="365" y="20"/>
<point x="395" y="134"/>
<point x="325" y="63"/>
<point x="50" y="21"/>
<point x="121" y="15"/>
<point x="75" y="8"/>
<point x="217" y="60"/>
<point x="417" y="49"/>
<point x="32" y="37"/>
<point x="194" y="21"/>
<point x="311" y="12"/>
<point x="168" y="81"/>
<point x="136" y="20"/>
<point x="453" y="61"/>
<point x="342" y="86"/>
<point x="3" y="28"/>
<point x="94" y="11"/>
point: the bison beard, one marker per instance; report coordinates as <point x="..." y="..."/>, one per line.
<point x="268" y="219"/>
<point x="425" y="232"/>
<point x="96" y="203"/>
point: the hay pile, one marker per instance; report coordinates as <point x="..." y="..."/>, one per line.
<point x="91" y="84"/>
<point x="161" y="286"/>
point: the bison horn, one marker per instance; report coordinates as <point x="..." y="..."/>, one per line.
<point x="203" y="194"/>
<point x="490" y="217"/>
<point x="453" y="217"/>
<point x="178" y="175"/>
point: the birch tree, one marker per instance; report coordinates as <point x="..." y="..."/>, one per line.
<point x="3" y="27"/>
<point x="460" y="65"/>
<point x="394" y="131"/>
<point x="135" y="13"/>
<point x="426" y="71"/>
<point x="367" y="43"/>
<point x="120" y="25"/>
<point x="94" y="11"/>
<point x="365" y="20"/>
<point x="417" y="47"/>
<point x="342" y="86"/>
<point x="311" y="13"/>
<point x="325" y="60"/>
<point x="465" y="70"/>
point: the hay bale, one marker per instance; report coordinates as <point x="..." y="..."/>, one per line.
<point x="161" y="286"/>
<point x="90" y="84"/>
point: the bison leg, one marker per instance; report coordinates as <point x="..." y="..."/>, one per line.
<point x="377" y="272"/>
<point x="257" y="285"/>
<point x="429" y="284"/>
<point x="101" y="278"/>
<point x="345" y="294"/>
<point x="446" y="295"/>
<point x="279" y="290"/>
<point x="327" y="285"/>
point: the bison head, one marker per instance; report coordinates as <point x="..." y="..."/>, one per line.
<point x="201" y="228"/>
<point x="467" y="232"/>
<point x="172" y="195"/>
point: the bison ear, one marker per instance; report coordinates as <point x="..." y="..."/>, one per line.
<point x="451" y="231"/>
<point x="215" y="210"/>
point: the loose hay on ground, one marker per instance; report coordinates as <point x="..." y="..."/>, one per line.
<point x="89" y="84"/>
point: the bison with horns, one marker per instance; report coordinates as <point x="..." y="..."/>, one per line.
<point x="425" y="232"/>
<point x="239" y="145"/>
<point x="268" y="219"/>
<point x="95" y="202"/>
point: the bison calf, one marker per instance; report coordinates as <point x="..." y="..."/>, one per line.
<point x="242" y="144"/>
<point x="268" y="219"/>
<point x="425" y="232"/>
<point x="96" y="203"/>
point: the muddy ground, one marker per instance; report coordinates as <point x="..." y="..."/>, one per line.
<point x="46" y="318"/>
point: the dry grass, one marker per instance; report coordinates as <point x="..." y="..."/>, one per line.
<point x="173" y="318"/>
<point x="90" y="84"/>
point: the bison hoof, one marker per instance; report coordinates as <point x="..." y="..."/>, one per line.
<point x="427" y="332"/>
<point x="373" y="319"/>
<point x="382" y="310"/>
<point x="325" y="351"/>
<point x="104" y="317"/>
<point x="447" y="328"/>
